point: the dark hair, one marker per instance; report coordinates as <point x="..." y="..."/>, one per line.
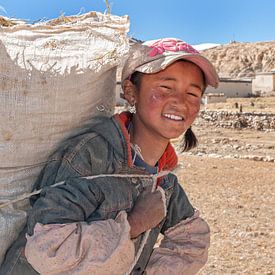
<point x="189" y="139"/>
<point x="136" y="79"/>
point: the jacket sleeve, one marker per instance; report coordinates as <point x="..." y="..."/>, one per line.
<point x="183" y="250"/>
<point x="72" y="227"/>
<point x="73" y="201"/>
<point x="101" y="247"/>
<point x="80" y="199"/>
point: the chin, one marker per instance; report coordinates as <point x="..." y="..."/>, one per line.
<point x="174" y="135"/>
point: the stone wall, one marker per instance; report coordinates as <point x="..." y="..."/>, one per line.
<point x="257" y="121"/>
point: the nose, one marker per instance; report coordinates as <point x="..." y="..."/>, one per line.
<point x="178" y="102"/>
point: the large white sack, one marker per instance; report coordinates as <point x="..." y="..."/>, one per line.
<point x="54" y="76"/>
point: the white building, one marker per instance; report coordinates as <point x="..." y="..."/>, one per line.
<point x="232" y="88"/>
<point x="213" y="98"/>
<point x="263" y="83"/>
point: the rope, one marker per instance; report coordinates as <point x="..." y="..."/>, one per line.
<point x="26" y="196"/>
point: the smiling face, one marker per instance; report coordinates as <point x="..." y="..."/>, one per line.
<point x="167" y="102"/>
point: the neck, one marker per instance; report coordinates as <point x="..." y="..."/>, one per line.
<point x="151" y="148"/>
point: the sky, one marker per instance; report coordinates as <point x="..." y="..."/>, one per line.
<point x="194" y="21"/>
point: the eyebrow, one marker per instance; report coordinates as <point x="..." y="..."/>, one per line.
<point x="168" y="78"/>
<point x="197" y="86"/>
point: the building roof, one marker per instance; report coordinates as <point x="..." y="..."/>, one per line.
<point x="236" y="80"/>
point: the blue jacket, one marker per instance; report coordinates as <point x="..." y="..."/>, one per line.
<point x="100" y="148"/>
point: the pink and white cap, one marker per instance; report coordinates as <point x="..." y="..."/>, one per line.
<point x="154" y="56"/>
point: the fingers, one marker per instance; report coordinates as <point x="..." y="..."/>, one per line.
<point x="149" y="210"/>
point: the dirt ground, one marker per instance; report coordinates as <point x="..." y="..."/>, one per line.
<point x="236" y="196"/>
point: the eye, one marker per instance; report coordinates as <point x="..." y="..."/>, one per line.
<point x="166" y="87"/>
<point x="193" y="94"/>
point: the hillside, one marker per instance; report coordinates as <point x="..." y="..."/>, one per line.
<point x="240" y="60"/>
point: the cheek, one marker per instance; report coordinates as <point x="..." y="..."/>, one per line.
<point x="156" y="97"/>
<point x="196" y="108"/>
<point x="194" y="111"/>
<point x="152" y="103"/>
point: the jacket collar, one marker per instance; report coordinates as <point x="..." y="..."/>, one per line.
<point x="168" y="160"/>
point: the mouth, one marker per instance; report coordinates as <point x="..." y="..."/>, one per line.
<point x="173" y="117"/>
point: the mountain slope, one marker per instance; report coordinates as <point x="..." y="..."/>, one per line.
<point x="239" y="60"/>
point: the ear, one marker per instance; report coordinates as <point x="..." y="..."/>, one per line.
<point x="129" y="90"/>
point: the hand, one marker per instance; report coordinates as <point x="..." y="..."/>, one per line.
<point x="148" y="211"/>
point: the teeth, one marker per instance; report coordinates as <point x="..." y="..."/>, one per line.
<point x="174" y="117"/>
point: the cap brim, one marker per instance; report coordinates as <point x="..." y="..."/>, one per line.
<point x="203" y="63"/>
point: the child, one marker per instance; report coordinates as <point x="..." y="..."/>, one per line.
<point x="97" y="225"/>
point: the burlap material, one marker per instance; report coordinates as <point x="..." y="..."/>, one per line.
<point x="54" y="76"/>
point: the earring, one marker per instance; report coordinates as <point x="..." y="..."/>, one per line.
<point x="132" y="109"/>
